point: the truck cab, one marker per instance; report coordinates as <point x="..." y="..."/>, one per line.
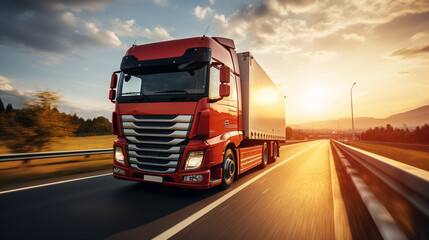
<point x="179" y="115"/>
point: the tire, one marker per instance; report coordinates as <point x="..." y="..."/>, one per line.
<point x="229" y="169"/>
<point x="265" y="156"/>
<point x="275" y="152"/>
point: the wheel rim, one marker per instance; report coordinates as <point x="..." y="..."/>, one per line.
<point x="229" y="168"/>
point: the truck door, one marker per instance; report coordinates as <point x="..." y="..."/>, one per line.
<point x="232" y="105"/>
<point x="219" y="110"/>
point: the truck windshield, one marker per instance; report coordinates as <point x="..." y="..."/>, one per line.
<point x="171" y="81"/>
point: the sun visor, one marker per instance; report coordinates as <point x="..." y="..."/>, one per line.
<point x="199" y="54"/>
<point x="229" y="43"/>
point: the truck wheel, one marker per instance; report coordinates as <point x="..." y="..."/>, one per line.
<point x="275" y="152"/>
<point x="228" y="168"/>
<point x="265" y="155"/>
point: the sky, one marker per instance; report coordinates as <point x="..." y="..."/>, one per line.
<point x="314" y="50"/>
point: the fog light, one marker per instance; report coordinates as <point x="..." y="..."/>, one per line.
<point x="193" y="178"/>
<point x="119" y="155"/>
<point x="119" y="170"/>
<point x="194" y="159"/>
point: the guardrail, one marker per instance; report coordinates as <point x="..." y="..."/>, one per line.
<point x="410" y="182"/>
<point x="43" y="155"/>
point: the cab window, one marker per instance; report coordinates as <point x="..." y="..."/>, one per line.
<point x="214" y="82"/>
<point x="233" y="87"/>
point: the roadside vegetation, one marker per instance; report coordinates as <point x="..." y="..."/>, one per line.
<point x="39" y="123"/>
<point x="295" y="134"/>
<point x="414" y="158"/>
<point x="40" y="127"/>
<point x="389" y="134"/>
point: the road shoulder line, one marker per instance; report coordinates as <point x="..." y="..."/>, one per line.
<point x="189" y="220"/>
<point x="52" y="183"/>
<point x="341" y="222"/>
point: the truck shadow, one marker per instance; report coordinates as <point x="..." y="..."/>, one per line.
<point x="147" y="206"/>
<point x="143" y="203"/>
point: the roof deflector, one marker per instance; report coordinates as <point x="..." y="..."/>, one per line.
<point x="229" y="43"/>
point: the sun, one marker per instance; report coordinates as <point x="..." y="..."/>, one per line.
<point x="315" y="100"/>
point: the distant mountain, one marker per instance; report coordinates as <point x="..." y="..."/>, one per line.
<point x="410" y="119"/>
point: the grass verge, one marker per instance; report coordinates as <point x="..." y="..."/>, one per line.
<point x="17" y="171"/>
<point x="414" y="158"/>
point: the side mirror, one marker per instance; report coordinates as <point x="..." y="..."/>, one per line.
<point x="225" y="74"/>
<point x="113" y="83"/>
<point x="224" y="90"/>
<point x="113" y="80"/>
<point x="112" y="95"/>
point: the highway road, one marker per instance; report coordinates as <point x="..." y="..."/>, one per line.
<point x="298" y="197"/>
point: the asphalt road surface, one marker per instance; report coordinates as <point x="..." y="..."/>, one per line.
<point x="291" y="199"/>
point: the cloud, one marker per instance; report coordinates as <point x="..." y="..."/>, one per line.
<point x="270" y="24"/>
<point x="201" y="13"/>
<point x="354" y="36"/>
<point x="161" y="2"/>
<point x="411" y="52"/>
<point x="10" y="95"/>
<point x="4" y="83"/>
<point x="419" y="36"/>
<point x="129" y="28"/>
<point x="319" y="56"/>
<point x="212" y="1"/>
<point x="94" y="36"/>
<point x="54" y="27"/>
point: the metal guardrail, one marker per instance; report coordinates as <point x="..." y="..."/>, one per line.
<point x="42" y="155"/>
<point x="410" y="182"/>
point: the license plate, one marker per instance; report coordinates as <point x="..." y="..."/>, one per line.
<point x="151" y="178"/>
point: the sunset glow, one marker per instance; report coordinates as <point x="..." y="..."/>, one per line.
<point x="315" y="100"/>
<point x="312" y="50"/>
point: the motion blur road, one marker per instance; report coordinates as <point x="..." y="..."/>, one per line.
<point x="291" y="200"/>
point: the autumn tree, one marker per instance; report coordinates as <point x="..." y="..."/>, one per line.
<point x="37" y="124"/>
<point x="1" y="106"/>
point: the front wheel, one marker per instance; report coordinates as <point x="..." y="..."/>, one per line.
<point x="228" y="168"/>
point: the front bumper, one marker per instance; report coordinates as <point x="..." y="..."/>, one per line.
<point x="209" y="169"/>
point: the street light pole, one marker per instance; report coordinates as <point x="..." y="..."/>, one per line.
<point x="351" y="102"/>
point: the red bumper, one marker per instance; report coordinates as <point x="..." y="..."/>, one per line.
<point x="209" y="169"/>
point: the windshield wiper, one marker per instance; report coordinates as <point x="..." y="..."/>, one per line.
<point x="129" y="93"/>
<point x="136" y="93"/>
<point x="178" y="90"/>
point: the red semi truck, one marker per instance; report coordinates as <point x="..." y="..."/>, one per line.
<point x="193" y="113"/>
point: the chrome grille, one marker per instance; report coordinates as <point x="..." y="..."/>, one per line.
<point x="156" y="142"/>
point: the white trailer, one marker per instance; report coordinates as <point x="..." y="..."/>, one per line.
<point x="263" y="104"/>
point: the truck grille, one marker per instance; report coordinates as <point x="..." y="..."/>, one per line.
<point x="156" y="142"/>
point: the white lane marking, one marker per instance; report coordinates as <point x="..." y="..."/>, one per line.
<point x="266" y="190"/>
<point x="341" y="222"/>
<point x="194" y="217"/>
<point x="53" y="183"/>
<point x="382" y="218"/>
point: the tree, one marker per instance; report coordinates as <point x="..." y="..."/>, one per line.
<point x="1" y="106"/>
<point x="37" y="124"/>
<point x="9" y="108"/>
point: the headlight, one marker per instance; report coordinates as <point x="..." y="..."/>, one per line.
<point x="194" y="159"/>
<point x="119" y="155"/>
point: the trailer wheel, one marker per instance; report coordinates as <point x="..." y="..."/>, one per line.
<point x="275" y="152"/>
<point x="228" y="168"/>
<point x="265" y="155"/>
